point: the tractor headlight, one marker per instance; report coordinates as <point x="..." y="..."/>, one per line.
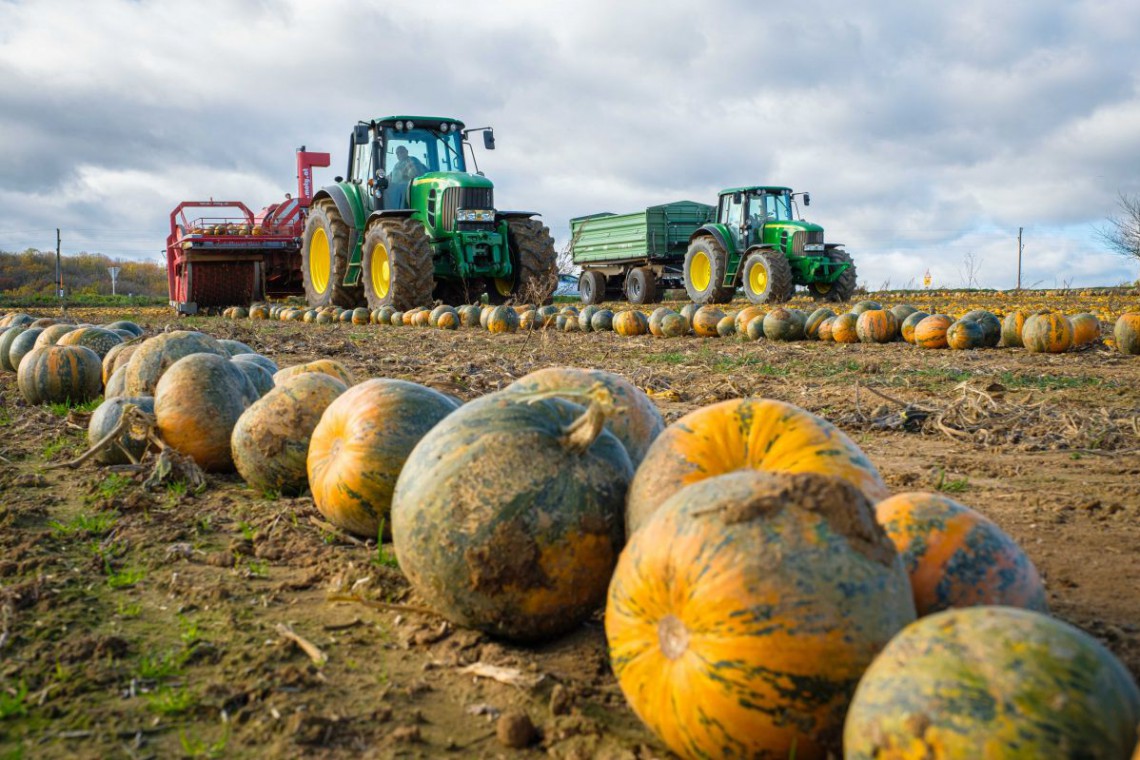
<point x="474" y="215"/>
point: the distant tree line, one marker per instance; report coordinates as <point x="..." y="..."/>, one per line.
<point x="32" y="273"/>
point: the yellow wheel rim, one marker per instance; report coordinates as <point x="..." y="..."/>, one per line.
<point x="700" y="271"/>
<point x="320" y="261"/>
<point x="503" y="287"/>
<point x="823" y="287"/>
<point x="381" y="266"/>
<point x="758" y="278"/>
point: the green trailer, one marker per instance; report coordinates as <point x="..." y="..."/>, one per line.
<point x="638" y="254"/>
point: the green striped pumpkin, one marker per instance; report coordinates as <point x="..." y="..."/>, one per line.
<point x="60" y="374"/>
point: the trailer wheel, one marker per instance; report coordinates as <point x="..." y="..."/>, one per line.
<point x="397" y="265"/>
<point x="841" y="289"/>
<point x="534" y="273"/>
<point x="705" y="262"/>
<point x="324" y="258"/>
<point x="767" y="277"/>
<point x="641" y="286"/>
<point x="592" y="287"/>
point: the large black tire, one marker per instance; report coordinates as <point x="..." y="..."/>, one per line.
<point x="409" y="279"/>
<point x="324" y="258"/>
<point x="641" y="286"/>
<point x="767" y="277"/>
<point x="710" y="260"/>
<point x="592" y="287"/>
<point x="534" y="273"/>
<point x="843" y="288"/>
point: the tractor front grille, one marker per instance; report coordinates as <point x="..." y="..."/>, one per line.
<point x="455" y="198"/>
<point x="801" y="238"/>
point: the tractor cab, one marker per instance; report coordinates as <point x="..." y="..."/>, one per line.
<point x="762" y="216"/>
<point x="388" y="154"/>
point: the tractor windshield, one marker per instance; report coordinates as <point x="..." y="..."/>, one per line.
<point x="776" y="207"/>
<point x="411" y="152"/>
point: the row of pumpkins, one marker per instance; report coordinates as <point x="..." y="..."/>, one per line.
<point x="867" y="322"/>
<point x="765" y="594"/>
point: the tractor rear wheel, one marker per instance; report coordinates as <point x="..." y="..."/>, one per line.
<point x="397" y="264"/>
<point x="592" y="287"/>
<point x="767" y="277"/>
<point x="534" y="273"/>
<point x="641" y="286"/>
<point x="841" y="289"/>
<point x="705" y="262"/>
<point x="324" y="258"/>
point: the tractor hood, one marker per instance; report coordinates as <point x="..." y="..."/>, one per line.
<point x="443" y="180"/>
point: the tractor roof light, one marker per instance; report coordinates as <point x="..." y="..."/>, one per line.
<point x="444" y="126"/>
<point x="409" y="125"/>
<point x="399" y="126"/>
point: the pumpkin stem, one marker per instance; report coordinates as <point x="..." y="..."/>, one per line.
<point x="580" y="434"/>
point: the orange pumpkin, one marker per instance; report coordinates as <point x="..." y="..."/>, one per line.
<point x="1047" y="334"/>
<point x="844" y="329"/>
<point x="503" y="319"/>
<point x="824" y="331"/>
<point x="931" y="332"/>
<point x="1126" y="331"/>
<point x="956" y="557"/>
<point x="655" y="320"/>
<point x="876" y="326"/>
<point x="52" y="333"/>
<point x="360" y="445"/>
<point x="270" y="441"/>
<point x="746" y="315"/>
<point x="815" y="320"/>
<point x="758" y="434"/>
<point x="197" y="402"/>
<point x="329" y="367"/>
<point x="1011" y="328"/>
<point x="741" y="616"/>
<point x="705" y="320"/>
<point x="911" y="322"/>
<point x="630" y="323"/>
<point x="1086" y="329"/>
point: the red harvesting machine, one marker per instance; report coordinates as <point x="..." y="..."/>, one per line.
<point x="233" y="256"/>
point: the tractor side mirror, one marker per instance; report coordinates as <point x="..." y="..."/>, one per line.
<point x="489" y="139"/>
<point x="360" y="134"/>
<point x="807" y="199"/>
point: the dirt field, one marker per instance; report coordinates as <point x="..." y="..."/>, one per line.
<point x="138" y="623"/>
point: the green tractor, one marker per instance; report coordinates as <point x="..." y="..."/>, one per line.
<point x="758" y="244"/>
<point x="408" y="224"/>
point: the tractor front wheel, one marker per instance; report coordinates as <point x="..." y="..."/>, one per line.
<point x="843" y="288"/>
<point x="324" y="258"/>
<point x="397" y="263"/>
<point x="534" y="273"/>
<point x="767" y="277"/>
<point x="705" y="262"/>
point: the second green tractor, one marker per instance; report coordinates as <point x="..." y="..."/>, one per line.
<point x="408" y="224"/>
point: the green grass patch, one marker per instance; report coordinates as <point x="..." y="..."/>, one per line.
<point x="63" y="408"/>
<point x="110" y="487"/>
<point x="750" y="364"/>
<point x="14" y="702"/>
<point x="168" y="700"/>
<point x="669" y="357"/>
<point x="950" y="485"/>
<point x="124" y="578"/>
<point x="160" y="666"/>
<point x="89" y="524"/>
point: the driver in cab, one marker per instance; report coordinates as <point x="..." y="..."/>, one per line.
<point x="407" y="167"/>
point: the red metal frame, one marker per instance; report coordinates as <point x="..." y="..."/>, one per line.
<point x="234" y="255"/>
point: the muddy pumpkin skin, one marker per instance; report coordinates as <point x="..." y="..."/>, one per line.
<point x="993" y="682"/>
<point x="956" y="557"/>
<point x="360" y="445"/>
<point x="154" y="356"/>
<point x="757" y="434"/>
<point x="57" y="374"/>
<point x="742" y="615"/>
<point x="197" y="402"/>
<point x="504" y="522"/>
<point x="270" y="441"/>
<point x="1126" y="331"/>
<point x="705" y="320"/>
<point x="97" y="339"/>
<point x="637" y="422"/>
<point x="329" y="367"/>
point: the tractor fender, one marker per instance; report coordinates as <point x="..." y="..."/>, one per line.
<point x="717" y="234"/>
<point x="348" y="212"/>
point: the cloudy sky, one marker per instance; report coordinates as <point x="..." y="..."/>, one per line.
<point x="927" y="133"/>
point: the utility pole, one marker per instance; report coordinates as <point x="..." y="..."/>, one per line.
<point x="58" y="270"/>
<point x="1019" y="229"/>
